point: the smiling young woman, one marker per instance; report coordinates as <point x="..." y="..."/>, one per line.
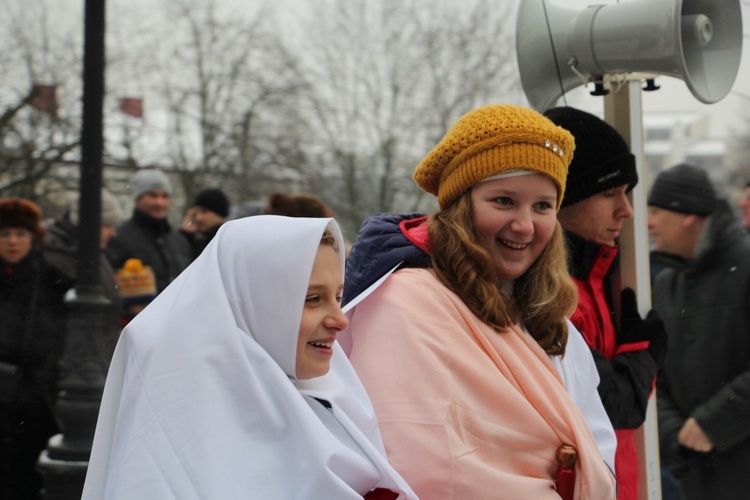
<point x="474" y="318"/>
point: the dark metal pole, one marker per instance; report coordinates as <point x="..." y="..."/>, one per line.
<point x="63" y="464"/>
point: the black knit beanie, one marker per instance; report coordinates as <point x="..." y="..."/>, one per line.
<point x="214" y="200"/>
<point x="602" y="159"/>
<point x="685" y="189"/>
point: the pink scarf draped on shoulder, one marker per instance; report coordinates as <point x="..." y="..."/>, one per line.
<point x="466" y="412"/>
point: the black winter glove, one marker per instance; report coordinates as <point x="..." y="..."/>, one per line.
<point x="634" y="329"/>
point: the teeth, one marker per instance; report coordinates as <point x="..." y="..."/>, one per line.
<point x="516" y="246"/>
<point x="321" y="344"/>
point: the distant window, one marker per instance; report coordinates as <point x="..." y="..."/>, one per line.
<point x="658" y="134"/>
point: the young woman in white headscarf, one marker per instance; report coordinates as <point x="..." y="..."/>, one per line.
<point x="231" y="383"/>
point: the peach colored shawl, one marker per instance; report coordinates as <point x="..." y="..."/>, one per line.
<point x="466" y="412"/>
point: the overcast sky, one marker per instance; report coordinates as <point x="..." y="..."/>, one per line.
<point x="730" y="114"/>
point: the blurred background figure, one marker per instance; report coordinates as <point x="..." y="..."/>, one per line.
<point x="297" y="205"/>
<point x="32" y="333"/>
<point x="209" y="211"/>
<point x="703" y="297"/>
<point x="745" y="207"/>
<point x="137" y="286"/>
<point x="61" y="250"/>
<point x="147" y="235"/>
<point x="247" y="209"/>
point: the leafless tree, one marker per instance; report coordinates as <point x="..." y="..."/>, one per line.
<point x="223" y="89"/>
<point x="389" y="78"/>
<point x="38" y="134"/>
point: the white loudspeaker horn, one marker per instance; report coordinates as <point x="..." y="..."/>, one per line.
<point x="559" y="48"/>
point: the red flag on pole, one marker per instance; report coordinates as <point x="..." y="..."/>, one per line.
<point x="44" y="98"/>
<point x="132" y="106"/>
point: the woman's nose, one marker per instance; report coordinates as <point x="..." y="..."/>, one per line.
<point x="522" y="222"/>
<point x="337" y="320"/>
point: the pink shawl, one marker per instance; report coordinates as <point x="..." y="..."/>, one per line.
<point x="466" y="412"/>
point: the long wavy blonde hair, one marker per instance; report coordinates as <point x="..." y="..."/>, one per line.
<point x="542" y="297"/>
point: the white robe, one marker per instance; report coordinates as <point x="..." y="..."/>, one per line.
<point x="200" y="400"/>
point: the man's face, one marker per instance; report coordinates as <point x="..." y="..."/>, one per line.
<point x="670" y="232"/>
<point x="107" y="232"/>
<point x="598" y="219"/>
<point x="154" y="203"/>
<point x="205" y="219"/>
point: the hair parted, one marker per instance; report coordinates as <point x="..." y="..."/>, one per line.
<point x="542" y="297"/>
<point x="329" y="240"/>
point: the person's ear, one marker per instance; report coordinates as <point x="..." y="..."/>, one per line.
<point x="689" y="220"/>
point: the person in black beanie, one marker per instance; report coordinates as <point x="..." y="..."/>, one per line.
<point x="203" y="219"/>
<point x="592" y="212"/>
<point x="704" y="387"/>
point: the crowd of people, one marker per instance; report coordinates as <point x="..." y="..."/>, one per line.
<point x="480" y="351"/>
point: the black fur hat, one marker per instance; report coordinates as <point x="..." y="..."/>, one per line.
<point x="21" y="213"/>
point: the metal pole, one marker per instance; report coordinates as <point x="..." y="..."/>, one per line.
<point x="623" y="110"/>
<point x="63" y="464"/>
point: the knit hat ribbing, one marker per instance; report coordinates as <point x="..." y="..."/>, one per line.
<point x="491" y="140"/>
<point x="214" y="200"/>
<point x="602" y="160"/>
<point x="150" y="179"/>
<point x="683" y="188"/>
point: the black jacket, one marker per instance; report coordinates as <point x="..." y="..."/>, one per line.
<point x="705" y="304"/>
<point x="32" y="325"/>
<point x="626" y="378"/>
<point x="153" y="242"/>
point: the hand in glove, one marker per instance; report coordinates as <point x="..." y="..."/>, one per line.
<point x="634" y="329"/>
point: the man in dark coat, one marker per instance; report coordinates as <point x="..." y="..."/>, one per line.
<point x="704" y="298"/>
<point x="147" y="235"/>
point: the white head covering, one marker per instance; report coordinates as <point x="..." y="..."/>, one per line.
<point x="200" y="403"/>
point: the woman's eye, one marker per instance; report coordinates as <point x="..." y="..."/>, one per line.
<point x="312" y="299"/>
<point x="544" y="205"/>
<point x="339" y="298"/>
<point x="503" y="200"/>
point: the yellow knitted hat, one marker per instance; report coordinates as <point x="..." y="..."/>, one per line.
<point x="491" y="140"/>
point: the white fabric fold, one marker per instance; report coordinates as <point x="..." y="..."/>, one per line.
<point x="200" y="400"/>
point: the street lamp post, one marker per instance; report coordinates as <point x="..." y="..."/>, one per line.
<point x="63" y="464"/>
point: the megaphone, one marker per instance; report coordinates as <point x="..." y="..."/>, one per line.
<point x="560" y="48"/>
